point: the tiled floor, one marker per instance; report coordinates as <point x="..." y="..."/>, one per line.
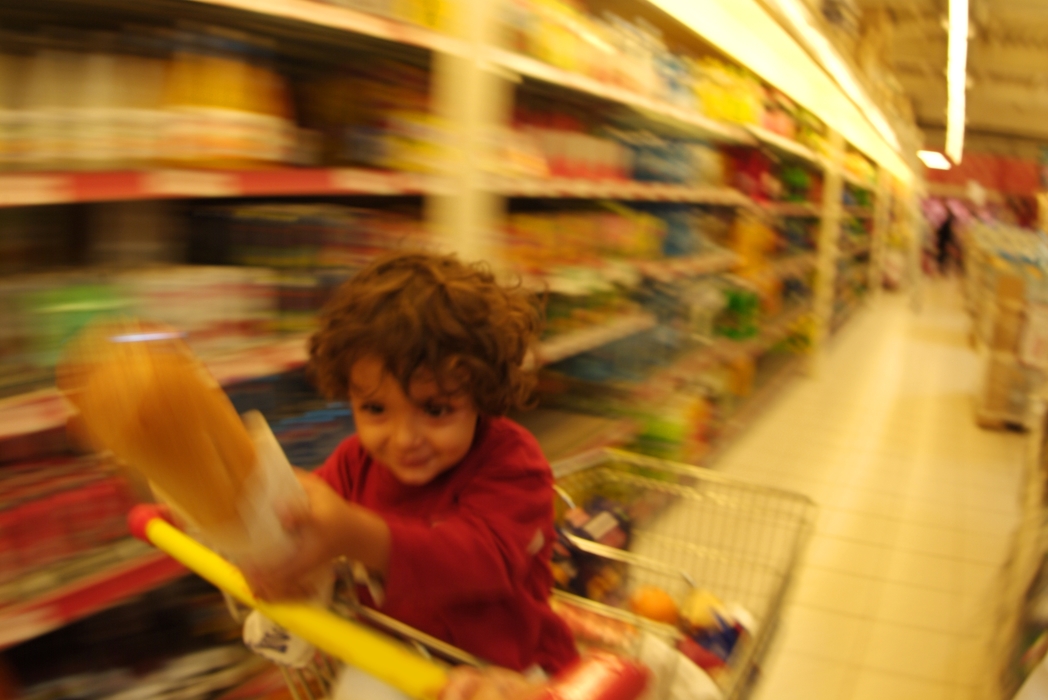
<point x="917" y="506"/>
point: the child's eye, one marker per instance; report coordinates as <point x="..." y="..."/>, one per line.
<point x="372" y="408"/>
<point x="434" y="410"/>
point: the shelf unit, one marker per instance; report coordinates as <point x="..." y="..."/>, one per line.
<point x="799" y="210"/>
<point x="527" y="67"/>
<point x="577" y="342"/>
<point x="626" y="191"/>
<point x="87" y="584"/>
<point x="33" y="189"/>
<point x="788" y="147"/>
<point x="468" y="69"/>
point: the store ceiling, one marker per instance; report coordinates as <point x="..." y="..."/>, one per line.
<point x="1007" y="62"/>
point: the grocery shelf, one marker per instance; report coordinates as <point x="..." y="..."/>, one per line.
<point x="572" y="343"/>
<point x="47" y="409"/>
<point x="793" y="265"/>
<point x="841" y="318"/>
<point x="562" y="434"/>
<point x="767" y="338"/>
<point x="85" y="585"/>
<point x="347" y="20"/>
<point x="263" y="359"/>
<point x="723" y="349"/>
<point x="859" y="212"/>
<point x="528" y="67"/>
<point x="33" y="412"/>
<point x="573" y="188"/>
<point x="793" y="209"/>
<point x="852" y="250"/>
<point x="691" y="266"/>
<point x="35" y="188"/>
<point x="856" y="181"/>
<point x="603" y="275"/>
<point x="741" y="419"/>
<point x="786" y="146"/>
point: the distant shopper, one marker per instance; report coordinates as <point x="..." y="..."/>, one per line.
<point x="946" y="241"/>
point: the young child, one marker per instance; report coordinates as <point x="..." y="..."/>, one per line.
<point x="448" y="503"/>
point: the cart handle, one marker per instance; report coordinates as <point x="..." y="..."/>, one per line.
<point x="598" y="676"/>
<point x="370" y="651"/>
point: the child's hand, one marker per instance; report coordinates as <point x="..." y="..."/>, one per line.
<point x="314" y="527"/>
<point x="492" y="683"/>
<point x="324" y="528"/>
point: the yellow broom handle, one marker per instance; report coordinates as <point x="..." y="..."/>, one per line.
<point x="366" y="649"/>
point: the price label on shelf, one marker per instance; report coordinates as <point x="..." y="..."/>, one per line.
<point x="27" y="190"/>
<point x="352" y="180"/>
<point x="191" y="183"/>
<point x="1034" y="346"/>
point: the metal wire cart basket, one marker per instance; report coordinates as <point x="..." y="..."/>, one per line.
<point x="690" y="528"/>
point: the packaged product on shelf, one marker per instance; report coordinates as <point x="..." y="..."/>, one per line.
<point x="433" y="14"/>
<point x="799" y="184"/>
<point x="778" y="116"/>
<point x="857" y="164"/>
<point x="207" y="97"/>
<point x="751" y="172"/>
<point x="740" y="318"/>
<point x="216" y="307"/>
<point x="54" y="509"/>
<point x="176" y="641"/>
<point x="727" y="92"/>
<point x="537" y="241"/>
<point x="227" y="106"/>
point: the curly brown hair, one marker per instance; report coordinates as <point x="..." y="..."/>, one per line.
<point x="420" y="311"/>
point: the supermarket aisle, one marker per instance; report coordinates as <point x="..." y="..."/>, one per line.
<point x="916" y="508"/>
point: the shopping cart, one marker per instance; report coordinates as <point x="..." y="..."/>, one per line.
<point x="691" y="528"/>
<point x="401" y="658"/>
<point x="738" y="541"/>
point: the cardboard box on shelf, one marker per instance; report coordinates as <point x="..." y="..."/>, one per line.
<point x="1010" y="288"/>
<point x="1007" y="329"/>
<point x="1034" y="346"/>
<point x="1005" y="391"/>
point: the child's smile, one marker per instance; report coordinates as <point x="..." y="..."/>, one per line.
<point x="418" y="437"/>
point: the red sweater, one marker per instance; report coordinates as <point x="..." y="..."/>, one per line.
<point x="470" y="551"/>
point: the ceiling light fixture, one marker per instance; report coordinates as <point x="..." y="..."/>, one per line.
<point x="934" y="160"/>
<point x="956" y="78"/>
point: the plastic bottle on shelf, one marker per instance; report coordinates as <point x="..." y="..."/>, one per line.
<point x="13" y="70"/>
<point x="227" y="107"/>
<point x="140" y="75"/>
<point x="55" y="74"/>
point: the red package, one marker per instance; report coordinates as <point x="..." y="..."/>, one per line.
<point x="599" y="676"/>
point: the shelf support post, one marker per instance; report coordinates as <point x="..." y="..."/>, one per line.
<point x="827" y="250"/>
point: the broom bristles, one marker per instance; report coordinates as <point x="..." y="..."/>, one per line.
<point x="152" y="403"/>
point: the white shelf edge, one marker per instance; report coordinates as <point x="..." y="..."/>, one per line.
<point x="794" y="209"/>
<point x="571" y="188"/>
<point x="786" y="145"/>
<point x="705" y="264"/>
<point x="533" y="68"/>
<point x="857" y="181"/>
<point x="794" y="264"/>
<point x="577" y="342"/>
<point x="16" y="419"/>
<point x="348" y="20"/>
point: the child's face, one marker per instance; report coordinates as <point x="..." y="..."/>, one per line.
<point x="416" y="437"/>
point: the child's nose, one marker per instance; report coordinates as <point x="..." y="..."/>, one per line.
<point x="407" y="434"/>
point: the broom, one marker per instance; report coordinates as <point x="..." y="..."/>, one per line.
<point x="145" y="397"/>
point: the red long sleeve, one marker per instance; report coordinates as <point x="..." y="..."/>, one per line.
<point x="469" y="558"/>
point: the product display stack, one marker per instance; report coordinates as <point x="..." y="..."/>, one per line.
<point x="1006" y="291"/>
